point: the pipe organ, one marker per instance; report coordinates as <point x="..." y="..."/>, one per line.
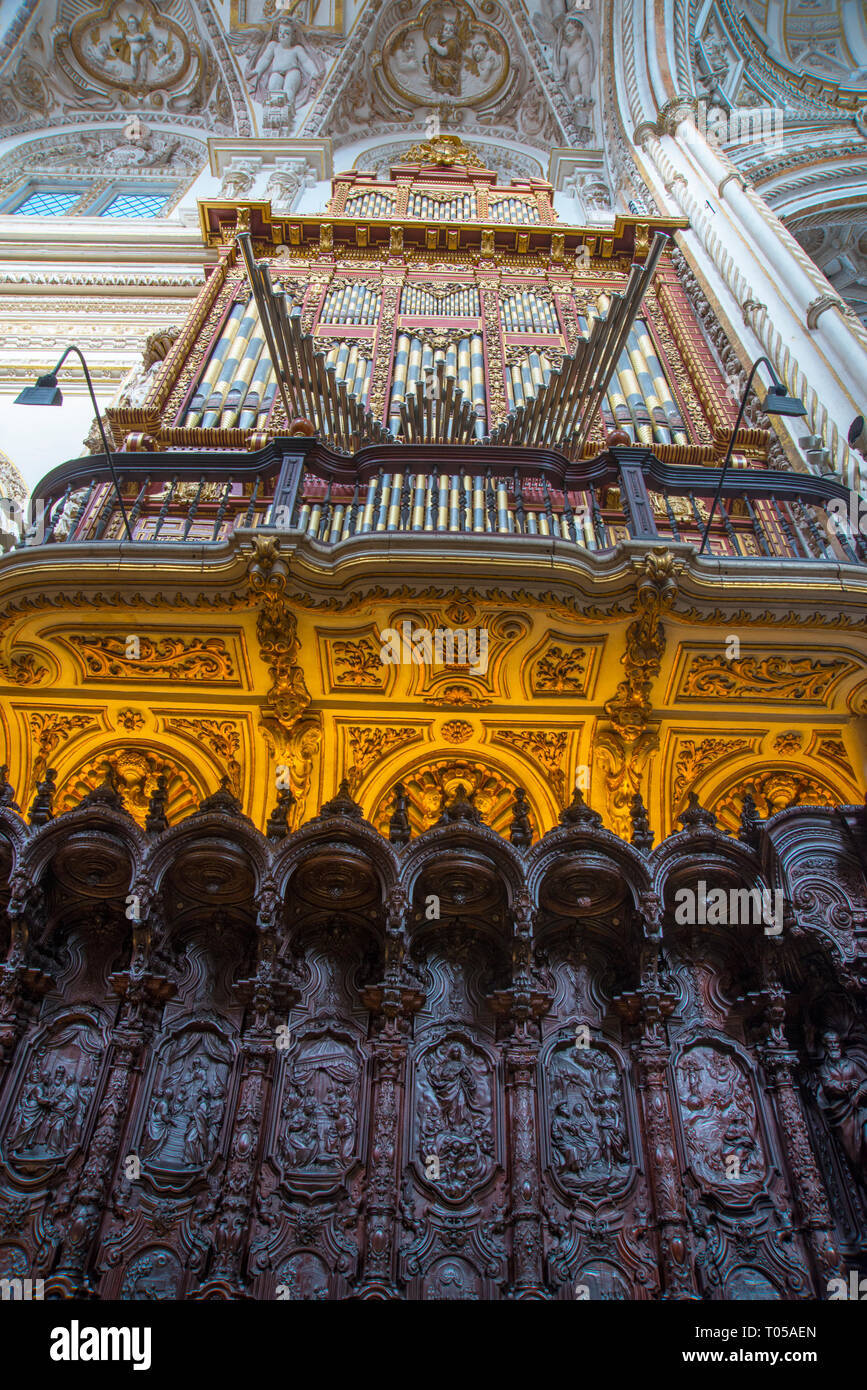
<point x="436" y="307"/>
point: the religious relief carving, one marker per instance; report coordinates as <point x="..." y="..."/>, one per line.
<point x="110" y="658"/>
<point x="317" y="1132"/>
<point x="452" y="1281"/>
<point x="53" y="1101"/>
<point x="303" y="1278"/>
<point x="720" y="1123"/>
<point x="548" y="750"/>
<point x="454" y="1118"/>
<point x="129" y="45"/>
<point x="284" y="64"/>
<point x="842" y="1094"/>
<point x="587" y="1126"/>
<point x="187" y="1105"/>
<point x="154" y="1274"/>
<point x="446" y="56"/>
<point x="770" y="678"/>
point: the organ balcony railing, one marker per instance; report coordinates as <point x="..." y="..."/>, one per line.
<point x="301" y="486"/>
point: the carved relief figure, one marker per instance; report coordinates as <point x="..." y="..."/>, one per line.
<point x="282" y="66"/>
<point x="719" y="1119"/>
<point x="843" y="1096"/>
<point x="54" y="1099"/>
<point x="186" y="1110"/>
<point x="446" y="56"/>
<point x="153" y="1275"/>
<point x="588" y="1127"/>
<point x="451" y="1281"/>
<point x="134" y="47"/>
<point x="303" y="1278"/>
<point x="319" y="1113"/>
<point x="442" y="62"/>
<point x="574" y="60"/>
<point x="454" y="1116"/>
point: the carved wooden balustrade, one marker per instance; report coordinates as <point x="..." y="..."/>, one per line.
<point x="300" y="485"/>
<point x="321" y="1064"/>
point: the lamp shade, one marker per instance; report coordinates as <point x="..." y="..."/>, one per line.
<point x="45" y="392"/>
<point x="778" y="402"/>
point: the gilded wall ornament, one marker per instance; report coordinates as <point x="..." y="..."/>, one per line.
<point x="49" y="731"/>
<point x="774" y="790"/>
<point x="456" y="731"/>
<point x="368" y="745"/>
<point x="695" y="756"/>
<point x="547" y="750"/>
<point x="561" y="670"/>
<point x="770" y="678"/>
<point x="111" y="658"/>
<point x="136" y="770"/>
<point x="221" y="736"/>
<point x="358" y="663"/>
<point x="432" y="786"/>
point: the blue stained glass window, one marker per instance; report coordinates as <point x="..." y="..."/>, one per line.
<point x="135" y="205"/>
<point x="46" y="204"/>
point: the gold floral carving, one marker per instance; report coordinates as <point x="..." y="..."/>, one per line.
<point x="370" y="744"/>
<point x="459" y="696"/>
<point x="788" y="742"/>
<point x="770" y="678"/>
<point x="547" y="750"/>
<point x="832" y="749"/>
<point x="444" y="150"/>
<point x="160" y="658"/>
<point x="137" y="770"/>
<point x="695" y="756"/>
<point x="221" y="736"/>
<point x="277" y="634"/>
<point x="456" y="731"/>
<point x="623" y="744"/>
<point x="560" y="671"/>
<point x="131" y="720"/>
<point x="49" y="730"/>
<point x="358" y="663"/>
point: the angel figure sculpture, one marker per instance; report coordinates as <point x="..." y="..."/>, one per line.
<point x="283" y="66"/>
<point x="574" y="60"/>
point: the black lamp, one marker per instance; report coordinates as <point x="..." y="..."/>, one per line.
<point x="777" y="401"/>
<point x="47" y="392"/>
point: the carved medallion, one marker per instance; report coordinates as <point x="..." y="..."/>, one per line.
<point x="153" y="1274"/>
<point x="446" y="56"/>
<point x="129" y="45"/>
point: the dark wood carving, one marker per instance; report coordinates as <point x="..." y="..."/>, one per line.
<point x="282" y="1077"/>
